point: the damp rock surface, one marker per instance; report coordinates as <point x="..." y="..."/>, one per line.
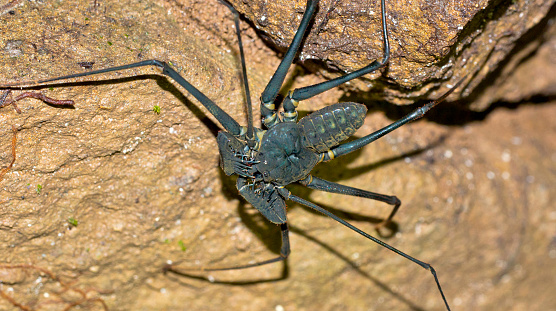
<point x="103" y="196"/>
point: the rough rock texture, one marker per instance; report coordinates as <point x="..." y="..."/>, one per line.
<point x="146" y="189"/>
<point x="434" y="44"/>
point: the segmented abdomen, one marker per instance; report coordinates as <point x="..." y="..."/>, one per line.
<point x="327" y="127"/>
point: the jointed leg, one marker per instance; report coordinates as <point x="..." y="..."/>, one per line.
<point x="225" y="119"/>
<point x="292" y="99"/>
<point x="363" y="141"/>
<point x="286" y="194"/>
<point x="268" y="110"/>
<point x="244" y="73"/>
<point x="328" y="186"/>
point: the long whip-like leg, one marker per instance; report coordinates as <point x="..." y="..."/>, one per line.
<point x="293" y="97"/>
<point x="363" y="141"/>
<point x="268" y="111"/>
<point x="328" y="186"/>
<point x="225" y="119"/>
<point x="244" y="74"/>
<point x="286" y="194"/>
<point x="313" y="90"/>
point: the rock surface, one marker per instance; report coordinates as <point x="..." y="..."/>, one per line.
<point x="434" y="44"/>
<point x="124" y="190"/>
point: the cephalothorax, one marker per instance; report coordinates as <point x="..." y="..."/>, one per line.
<point x="285" y="153"/>
<point x="266" y="161"/>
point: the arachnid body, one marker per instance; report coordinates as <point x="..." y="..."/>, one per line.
<point x="267" y="160"/>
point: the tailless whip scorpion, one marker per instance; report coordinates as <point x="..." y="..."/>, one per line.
<point x="286" y="149"/>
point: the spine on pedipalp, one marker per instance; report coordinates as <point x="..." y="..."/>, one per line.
<point x="327" y="127"/>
